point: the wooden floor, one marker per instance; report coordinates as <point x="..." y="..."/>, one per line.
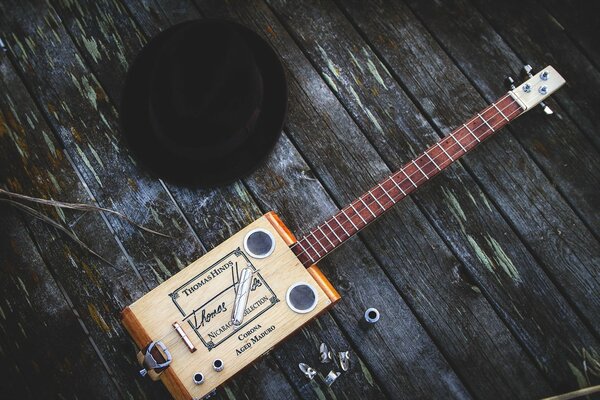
<point x="487" y="278"/>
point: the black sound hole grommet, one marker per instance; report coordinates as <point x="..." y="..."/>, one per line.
<point x="301" y="297"/>
<point x="259" y="243"/>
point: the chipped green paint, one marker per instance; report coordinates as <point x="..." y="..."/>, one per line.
<point x="92" y="48"/>
<point x="61" y="214"/>
<point x="317" y="389"/>
<point x="22" y="286"/>
<point x="330" y="82"/>
<point x="503" y="260"/>
<point x="158" y="277"/>
<point x="98" y="318"/>
<point x="486" y="202"/>
<point x="176" y="225"/>
<point x="454" y="204"/>
<point x="330" y="65"/>
<point x="85" y="89"/>
<point x="96" y="156"/>
<point x="162" y="266"/>
<point x="481" y="254"/>
<point x="581" y="379"/>
<point x="155" y="216"/>
<point x="2" y="313"/>
<point x="355" y="62"/>
<point x="49" y="143"/>
<point x="104" y="121"/>
<point x="88" y="164"/>
<point x="375" y="73"/>
<point x="356" y="97"/>
<point x="180" y="265"/>
<point x="229" y="393"/>
<point x="374" y="120"/>
<point x="366" y="373"/>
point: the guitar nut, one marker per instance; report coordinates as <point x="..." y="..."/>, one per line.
<point x="218" y="365"/>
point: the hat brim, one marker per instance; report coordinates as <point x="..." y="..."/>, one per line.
<point x="242" y="160"/>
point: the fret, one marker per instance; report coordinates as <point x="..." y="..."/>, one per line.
<point x="406" y="175"/>
<point x="313" y="247"/>
<point x="342" y="225"/>
<point x="326" y="237"/>
<point x="376" y="200"/>
<point x="332" y="231"/>
<point x="361" y="217"/>
<point x="312" y="260"/>
<point x="350" y="219"/>
<point x="471" y="132"/>
<point x="318" y="241"/>
<point x="386" y="193"/>
<point x="445" y="152"/>
<point x="486" y="122"/>
<point x="459" y="143"/>
<point x="371" y="211"/>
<point x="501" y="113"/>
<point x="398" y="186"/>
<point x="420" y="170"/>
<point x="431" y="159"/>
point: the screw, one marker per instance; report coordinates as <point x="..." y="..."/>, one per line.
<point x="543" y="89"/>
<point x="198" y="378"/>
<point x="544" y="75"/>
<point x="527" y="88"/>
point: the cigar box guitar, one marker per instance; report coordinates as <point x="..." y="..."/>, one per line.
<point x="231" y="306"/>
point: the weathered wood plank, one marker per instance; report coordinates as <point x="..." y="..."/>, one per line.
<point x="555" y="143"/>
<point x="219" y="213"/>
<point x="466" y="223"/>
<point x="534" y="34"/>
<point x="34" y="163"/>
<point x="36" y="320"/>
<point x="579" y="20"/>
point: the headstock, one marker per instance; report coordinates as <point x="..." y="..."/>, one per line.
<point x="537" y="88"/>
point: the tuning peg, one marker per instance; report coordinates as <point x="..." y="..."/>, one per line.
<point x="547" y="110"/>
<point x="509" y="82"/>
<point x="527" y="69"/>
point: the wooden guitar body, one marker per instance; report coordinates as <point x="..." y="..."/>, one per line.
<point x="200" y="299"/>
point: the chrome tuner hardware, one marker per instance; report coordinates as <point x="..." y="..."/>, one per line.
<point x="307" y="370"/>
<point x="259" y="243"/>
<point x="325" y="355"/>
<point x="218" y="365"/>
<point x="344" y="357"/>
<point x="527" y="69"/>
<point x="331" y="377"/>
<point x="198" y="378"/>
<point x="526" y="88"/>
<point x="509" y="82"/>
<point x="543" y="90"/>
<point x="547" y="110"/>
<point x="544" y="75"/>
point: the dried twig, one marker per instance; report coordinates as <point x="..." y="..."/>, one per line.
<point x="81" y="207"/>
<point x="35" y="213"/>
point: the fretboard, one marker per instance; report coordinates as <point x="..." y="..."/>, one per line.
<point x="351" y="219"/>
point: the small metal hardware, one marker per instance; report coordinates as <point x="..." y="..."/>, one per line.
<point x="547" y="110"/>
<point x="372" y="315"/>
<point x="510" y="83"/>
<point x="3" y="46"/>
<point x="331" y="377"/>
<point x="218" y="365"/>
<point x="198" y="378"/>
<point x="344" y="357"/>
<point x="527" y="88"/>
<point x="307" y="370"/>
<point x="149" y="360"/>
<point x="325" y="354"/>
<point x="185" y="337"/>
<point x="544" y="75"/>
<point x="527" y="69"/>
<point x="241" y="296"/>
<point x="543" y="90"/>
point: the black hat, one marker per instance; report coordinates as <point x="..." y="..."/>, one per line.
<point x="204" y="102"/>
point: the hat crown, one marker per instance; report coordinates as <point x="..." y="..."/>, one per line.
<point x="206" y="89"/>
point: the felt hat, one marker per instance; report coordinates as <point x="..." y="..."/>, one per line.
<point x="204" y="102"/>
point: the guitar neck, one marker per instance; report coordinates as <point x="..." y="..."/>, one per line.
<point x="329" y="235"/>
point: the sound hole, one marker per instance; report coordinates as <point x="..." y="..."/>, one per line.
<point x="301" y="297"/>
<point x="259" y="243"/>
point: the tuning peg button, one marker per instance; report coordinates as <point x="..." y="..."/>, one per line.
<point x="510" y="83"/>
<point x="547" y="110"/>
<point x="527" y="69"/>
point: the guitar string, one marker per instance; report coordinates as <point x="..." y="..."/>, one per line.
<point x="386" y="193"/>
<point x="408" y="176"/>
